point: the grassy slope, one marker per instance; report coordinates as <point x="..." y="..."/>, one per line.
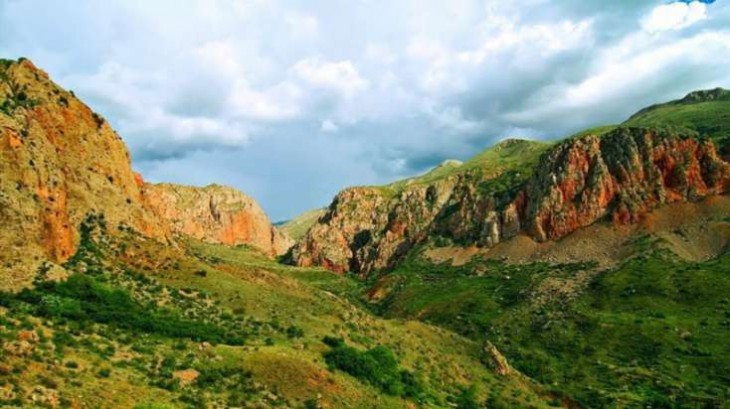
<point x="651" y="331"/>
<point x="297" y="227"/>
<point x="512" y="155"/>
<point x="709" y="118"/>
<point x="241" y="290"/>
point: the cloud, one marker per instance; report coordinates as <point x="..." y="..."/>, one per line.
<point x="339" y="76"/>
<point x="287" y="99"/>
<point x="674" y="16"/>
<point x="637" y="72"/>
<point x="329" y="126"/>
<point x="302" y="25"/>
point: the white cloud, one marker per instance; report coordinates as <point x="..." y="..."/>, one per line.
<point x="281" y="102"/>
<point x="634" y="67"/>
<point x="340" y="76"/>
<point x="674" y="16"/>
<point x="302" y="25"/>
<point x="329" y="126"/>
<point x="501" y="41"/>
<point x="221" y="56"/>
<point x="453" y="119"/>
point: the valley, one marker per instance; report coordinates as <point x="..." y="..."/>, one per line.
<point x="588" y="272"/>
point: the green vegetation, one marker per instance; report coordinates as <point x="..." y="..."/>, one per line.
<point x="377" y="366"/>
<point x="135" y="323"/>
<point x="84" y="299"/>
<point x="598" y="131"/>
<point x="297" y="227"/>
<point x="707" y="112"/>
<point x="516" y="157"/>
<point x="13" y="96"/>
<point x="650" y="332"/>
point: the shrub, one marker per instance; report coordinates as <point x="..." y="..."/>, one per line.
<point x="377" y="366"/>
<point x="294" y="332"/>
<point x="84" y="299"/>
<point x="467" y="399"/>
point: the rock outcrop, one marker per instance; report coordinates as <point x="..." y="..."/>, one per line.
<point x="371" y="228"/>
<point x="623" y="175"/>
<point x="618" y="176"/>
<point x="216" y="214"/>
<point x="60" y="161"/>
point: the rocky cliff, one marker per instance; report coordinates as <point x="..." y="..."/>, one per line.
<point x="618" y="176"/>
<point x="216" y="214"/>
<point x="370" y="228"/>
<point x="60" y="161"/>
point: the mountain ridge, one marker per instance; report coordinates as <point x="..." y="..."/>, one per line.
<point x="621" y="173"/>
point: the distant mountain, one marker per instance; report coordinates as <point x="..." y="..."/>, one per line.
<point x="216" y="214"/>
<point x="297" y="227"/>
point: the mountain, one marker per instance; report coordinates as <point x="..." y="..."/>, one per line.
<point x="590" y="272"/>
<point x="216" y="214"/>
<point x="119" y="293"/>
<point x="597" y="265"/>
<point x="63" y="162"/>
<point x="371" y="228"/>
<point x="521" y="188"/>
<point x="60" y="162"/>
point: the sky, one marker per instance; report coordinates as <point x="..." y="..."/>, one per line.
<point x="291" y="101"/>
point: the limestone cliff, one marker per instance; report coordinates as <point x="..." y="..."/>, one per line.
<point x="60" y="161"/>
<point x="619" y="176"/>
<point x="216" y="214"/>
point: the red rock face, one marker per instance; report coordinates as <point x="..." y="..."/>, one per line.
<point x="622" y="175"/>
<point x="619" y="176"/>
<point x="215" y="214"/>
<point x="58" y="162"/>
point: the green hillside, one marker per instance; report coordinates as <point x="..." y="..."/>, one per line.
<point x="707" y="112"/>
<point x="649" y="333"/>
<point x="510" y="155"/>
<point x="138" y="324"/>
<point x="297" y="227"/>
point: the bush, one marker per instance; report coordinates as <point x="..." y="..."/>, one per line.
<point x="467" y="399"/>
<point x="84" y="299"/>
<point x="294" y="332"/>
<point x="377" y="366"/>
